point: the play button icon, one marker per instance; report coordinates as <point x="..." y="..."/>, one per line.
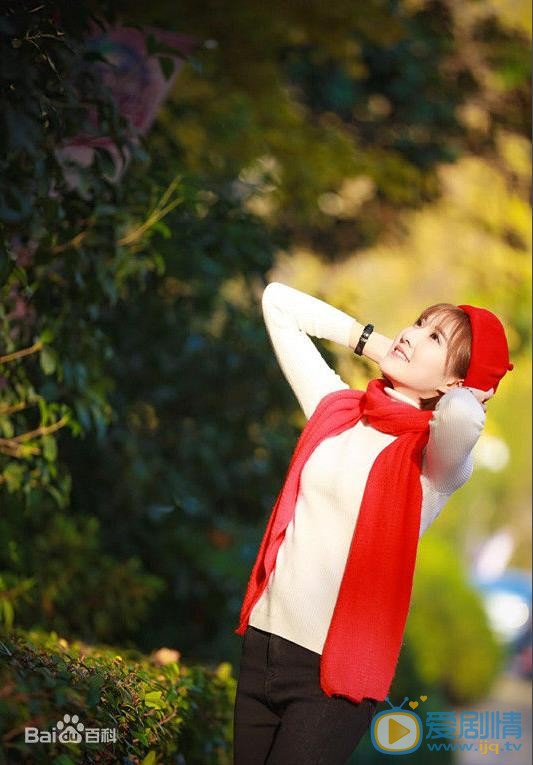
<point x="396" y="732"/>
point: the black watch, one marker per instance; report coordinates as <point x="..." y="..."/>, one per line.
<point x="362" y="340"/>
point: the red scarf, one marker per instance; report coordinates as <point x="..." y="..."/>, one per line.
<point x="365" y="634"/>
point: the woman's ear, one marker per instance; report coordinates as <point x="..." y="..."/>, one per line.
<point x="456" y="382"/>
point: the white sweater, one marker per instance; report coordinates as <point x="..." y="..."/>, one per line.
<point x="300" y="596"/>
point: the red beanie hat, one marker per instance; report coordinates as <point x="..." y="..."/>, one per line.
<point x="489" y="359"/>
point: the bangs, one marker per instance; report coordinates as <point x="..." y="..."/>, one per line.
<point x="456" y="324"/>
<point x="447" y="317"/>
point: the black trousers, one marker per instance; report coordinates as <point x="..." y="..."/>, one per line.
<point x="282" y="716"/>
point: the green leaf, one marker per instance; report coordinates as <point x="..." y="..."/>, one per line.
<point x="13" y="476"/>
<point x="7" y="613"/>
<point x="153" y="699"/>
<point x="49" y="448"/>
<point x="162" y="228"/>
<point x="150" y="759"/>
<point x="6" y="427"/>
<point x="48" y="360"/>
<point x="47" y="335"/>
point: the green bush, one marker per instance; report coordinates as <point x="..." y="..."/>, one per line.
<point x="448" y="628"/>
<point x="162" y="712"/>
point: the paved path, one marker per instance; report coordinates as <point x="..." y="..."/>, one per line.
<point x="510" y="692"/>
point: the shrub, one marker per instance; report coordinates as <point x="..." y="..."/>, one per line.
<point x="162" y="711"/>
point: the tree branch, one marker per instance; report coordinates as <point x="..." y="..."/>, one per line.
<point x="15" y="447"/>
<point x="74" y="242"/>
<point x="16" y="407"/>
<point x="24" y="352"/>
<point x="44" y="430"/>
<point x="16" y="450"/>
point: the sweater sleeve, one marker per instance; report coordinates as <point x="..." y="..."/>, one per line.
<point x="455" y="427"/>
<point x="290" y="317"/>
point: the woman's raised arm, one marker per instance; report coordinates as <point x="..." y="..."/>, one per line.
<point x="455" y="427"/>
<point x="291" y="316"/>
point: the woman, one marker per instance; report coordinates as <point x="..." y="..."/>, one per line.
<point x="325" y="608"/>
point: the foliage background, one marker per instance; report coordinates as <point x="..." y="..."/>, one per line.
<point x="378" y="160"/>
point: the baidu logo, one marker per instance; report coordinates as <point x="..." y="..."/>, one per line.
<point x="69" y="730"/>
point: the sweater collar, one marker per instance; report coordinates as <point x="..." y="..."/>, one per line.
<point x="393" y="393"/>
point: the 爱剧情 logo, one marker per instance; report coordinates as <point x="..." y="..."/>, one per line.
<point x="67" y="730"/>
<point x="400" y="731"/>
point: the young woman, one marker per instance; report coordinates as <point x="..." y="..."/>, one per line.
<point x="327" y="600"/>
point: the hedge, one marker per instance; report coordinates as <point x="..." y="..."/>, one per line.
<point x="162" y="710"/>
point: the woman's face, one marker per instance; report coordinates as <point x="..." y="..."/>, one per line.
<point x="416" y="360"/>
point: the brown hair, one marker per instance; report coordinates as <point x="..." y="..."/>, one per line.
<point x="459" y="343"/>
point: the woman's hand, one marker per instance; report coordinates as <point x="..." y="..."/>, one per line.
<point x="481" y="395"/>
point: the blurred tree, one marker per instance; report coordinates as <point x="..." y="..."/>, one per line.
<point x="69" y="253"/>
<point x="313" y="97"/>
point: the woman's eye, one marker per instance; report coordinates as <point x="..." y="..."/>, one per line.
<point x="436" y="335"/>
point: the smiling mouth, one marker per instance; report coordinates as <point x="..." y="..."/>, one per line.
<point x="399" y="354"/>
